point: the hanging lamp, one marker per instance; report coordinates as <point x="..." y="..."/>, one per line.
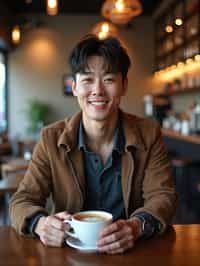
<point x="121" y="11"/>
<point x="52" y="7"/>
<point x="104" y="29"/>
<point x="16" y="34"/>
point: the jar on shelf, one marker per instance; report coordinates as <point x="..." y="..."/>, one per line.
<point x="185" y="127"/>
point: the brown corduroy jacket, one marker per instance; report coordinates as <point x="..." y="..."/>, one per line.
<point x="57" y="168"/>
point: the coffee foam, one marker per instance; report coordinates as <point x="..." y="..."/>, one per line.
<point x="91" y="217"/>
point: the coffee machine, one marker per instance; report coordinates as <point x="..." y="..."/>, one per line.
<point x="156" y="106"/>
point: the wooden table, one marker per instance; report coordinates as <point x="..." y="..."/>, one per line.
<point x="177" y="247"/>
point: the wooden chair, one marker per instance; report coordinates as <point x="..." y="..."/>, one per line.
<point x="15" y="166"/>
<point x="13" y="170"/>
<point x="8" y="186"/>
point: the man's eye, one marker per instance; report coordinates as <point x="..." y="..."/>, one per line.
<point x="109" y="80"/>
<point x="87" y="80"/>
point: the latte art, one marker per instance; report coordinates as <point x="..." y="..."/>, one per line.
<point x="91" y="218"/>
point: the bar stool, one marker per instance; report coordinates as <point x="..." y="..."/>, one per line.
<point x="183" y="171"/>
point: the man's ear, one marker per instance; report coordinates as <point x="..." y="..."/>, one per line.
<point x="74" y="88"/>
<point x="125" y="86"/>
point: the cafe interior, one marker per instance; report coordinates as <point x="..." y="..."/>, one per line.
<point x="163" y="41"/>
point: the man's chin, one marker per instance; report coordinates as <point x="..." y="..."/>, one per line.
<point x="98" y="117"/>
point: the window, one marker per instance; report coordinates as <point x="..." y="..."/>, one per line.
<point x="3" y="93"/>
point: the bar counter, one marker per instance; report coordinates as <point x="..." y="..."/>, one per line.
<point x="195" y="139"/>
<point x="179" y="246"/>
<point x="184" y="153"/>
<point x="182" y="146"/>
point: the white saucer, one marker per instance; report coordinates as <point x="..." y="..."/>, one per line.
<point x="75" y="243"/>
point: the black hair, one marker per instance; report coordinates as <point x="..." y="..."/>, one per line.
<point x="115" y="56"/>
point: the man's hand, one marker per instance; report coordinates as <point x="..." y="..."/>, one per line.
<point x="51" y="229"/>
<point x="120" y="236"/>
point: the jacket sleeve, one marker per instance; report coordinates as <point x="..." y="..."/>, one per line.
<point x="33" y="190"/>
<point x="160" y="198"/>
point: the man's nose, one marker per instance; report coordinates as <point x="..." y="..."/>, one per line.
<point x="98" y="87"/>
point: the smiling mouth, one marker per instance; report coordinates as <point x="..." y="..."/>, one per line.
<point x="98" y="103"/>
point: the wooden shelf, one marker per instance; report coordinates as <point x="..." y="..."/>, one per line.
<point x="165" y="55"/>
<point x="177" y="92"/>
<point x="177" y="47"/>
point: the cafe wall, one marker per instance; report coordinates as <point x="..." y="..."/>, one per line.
<point x="37" y="66"/>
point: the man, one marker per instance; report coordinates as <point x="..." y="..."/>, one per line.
<point x="99" y="159"/>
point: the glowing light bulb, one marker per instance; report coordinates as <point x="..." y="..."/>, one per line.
<point x="189" y="61"/>
<point x="102" y="35"/>
<point x="52" y="7"/>
<point x="119" y="5"/>
<point x="178" y="21"/>
<point x="105" y="28"/>
<point x="169" y="29"/>
<point x="16" y="35"/>
<point x="180" y="64"/>
<point x="197" y="57"/>
<point x="52" y="3"/>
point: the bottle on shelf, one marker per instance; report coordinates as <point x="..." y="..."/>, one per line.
<point x="195" y="119"/>
<point x="148" y="105"/>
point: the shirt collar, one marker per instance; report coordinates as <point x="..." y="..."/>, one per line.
<point x="81" y="142"/>
<point x="119" y="140"/>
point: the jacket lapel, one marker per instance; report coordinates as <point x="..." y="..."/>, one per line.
<point x="127" y="173"/>
<point x="133" y="140"/>
<point x="68" y="141"/>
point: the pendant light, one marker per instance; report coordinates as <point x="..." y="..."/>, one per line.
<point x="121" y="11"/>
<point x="52" y="7"/>
<point x="104" y="29"/>
<point x="16" y="34"/>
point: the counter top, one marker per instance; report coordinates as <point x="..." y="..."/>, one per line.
<point x="195" y="139"/>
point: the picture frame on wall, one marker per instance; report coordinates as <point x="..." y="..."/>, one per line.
<point x="67" y="84"/>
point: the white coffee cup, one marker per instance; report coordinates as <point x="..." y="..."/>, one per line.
<point x="88" y="224"/>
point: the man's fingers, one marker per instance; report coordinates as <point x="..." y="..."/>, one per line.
<point x="48" y="241"/>
<point x="63" y="215"/>
<point x="116" y="238"/>
<point x="109" y="239"/>
<point x="52" y="236"/>
<point x="121" y="250"/>
<point x="53" y="221"/>
<point x="118" y="246"/>
<point x="114" y="227"/>
<point x="57" y="221"/>
<point x="51" y="229"/>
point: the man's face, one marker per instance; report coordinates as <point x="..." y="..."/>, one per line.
<point x="99" y="92"/>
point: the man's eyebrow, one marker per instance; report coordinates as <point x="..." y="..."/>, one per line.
<point x="86" y="72"/>
<point x="109" y="72"/>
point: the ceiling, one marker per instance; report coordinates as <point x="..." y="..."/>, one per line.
<point x="69" y="7"/>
